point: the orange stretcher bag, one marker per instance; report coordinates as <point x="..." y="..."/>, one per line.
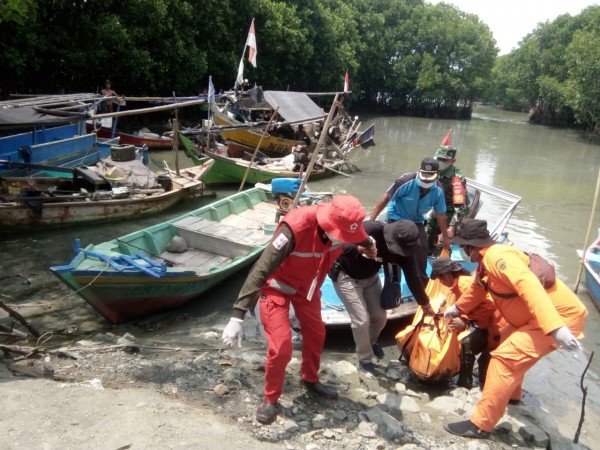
<point x="431" y="350"/>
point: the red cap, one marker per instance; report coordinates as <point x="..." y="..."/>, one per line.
<point x="342" y="219"/>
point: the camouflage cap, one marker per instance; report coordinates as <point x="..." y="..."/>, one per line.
<point x="445" y="152"/>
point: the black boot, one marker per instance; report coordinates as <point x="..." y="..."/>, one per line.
<point x="321" y="390"/>
<point x="467" y="361"/>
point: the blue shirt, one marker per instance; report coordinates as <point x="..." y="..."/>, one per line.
<point x="407" y="204"/>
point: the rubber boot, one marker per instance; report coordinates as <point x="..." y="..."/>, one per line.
<point x="467" y="362"/>
<point x="483" y="362"/>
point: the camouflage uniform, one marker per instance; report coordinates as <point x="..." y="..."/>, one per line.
<point x="455" y="213"/>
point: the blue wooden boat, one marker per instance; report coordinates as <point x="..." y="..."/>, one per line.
<point x="141" y="273"/>
<point x="591" y="265"/>
<point x="503" y="204"/>
<point x="53" y="137"/>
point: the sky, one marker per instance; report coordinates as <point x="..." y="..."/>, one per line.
<point x="511" y="20"/>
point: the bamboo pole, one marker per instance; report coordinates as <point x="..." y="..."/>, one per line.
<point x="176" y="140"/>
<point x="587" y="235"/>
<point x="265" y="132"/>
<point x="133" y="112"/>
<point x="313" y="159"/>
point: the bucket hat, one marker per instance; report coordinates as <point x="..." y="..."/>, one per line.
<point x="429" y="169"/>
<point x="473" y="232"/>
<point x="401" y="237"/>
<point x="443" y="265"/>
<point x="342" y="219"/>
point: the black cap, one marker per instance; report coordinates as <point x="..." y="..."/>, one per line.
<point x="401" y="237"/>
<point x="429" y="169"/>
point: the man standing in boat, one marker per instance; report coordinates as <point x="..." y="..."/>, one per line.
<point x="108" y="92"/>
<point x="291" y="270"/>
<point x="454" y="185"/>
<point x="411" y="197"/>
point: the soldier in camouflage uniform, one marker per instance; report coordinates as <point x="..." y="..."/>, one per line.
<point x="446" y="155"/>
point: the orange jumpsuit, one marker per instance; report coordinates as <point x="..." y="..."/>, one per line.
<point x="531" y="312"/>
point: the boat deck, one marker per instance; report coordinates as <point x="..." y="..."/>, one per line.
<point x="212" y="245"/>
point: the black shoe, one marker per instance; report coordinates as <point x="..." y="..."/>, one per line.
<point x="514" y="402"/>
<point x="266" y="413"/>
<point x="377" y="350"/>
<point x="466" y="429"/>
<point x="367" y="367"/>
<point x="321" y="390"/>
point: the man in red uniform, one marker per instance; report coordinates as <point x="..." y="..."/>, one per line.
<point x="538" y="321"/>
<point x="291" y="270"/>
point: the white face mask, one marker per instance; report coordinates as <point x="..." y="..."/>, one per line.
<point x="467" y="257"/>
<point x="444" y="165"/>
<point x="424" y="184"/>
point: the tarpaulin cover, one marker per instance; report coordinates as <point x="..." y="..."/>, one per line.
<point x="27" y="116"/>
<point x="294" y="106"/>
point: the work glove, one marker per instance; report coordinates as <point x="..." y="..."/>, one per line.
<point x="565" y="339"/>
<point x="451" y="312"/>
<point x="233" y="332"/>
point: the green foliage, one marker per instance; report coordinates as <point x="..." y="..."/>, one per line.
<point x="555" y="72"/>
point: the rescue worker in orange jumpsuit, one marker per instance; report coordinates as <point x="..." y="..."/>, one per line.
<point x="291" y="270"/>
<point x="483" y="321"/>
<point x="538" y="321"/>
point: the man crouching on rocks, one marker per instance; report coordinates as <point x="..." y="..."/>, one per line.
<point x="291" y="270"/>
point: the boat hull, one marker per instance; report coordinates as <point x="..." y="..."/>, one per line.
<point x="132" y="139"/>
<point x="591" y="267"/>
<point x="216" y="250"/>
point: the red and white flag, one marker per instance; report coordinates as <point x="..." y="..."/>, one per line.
<point x="446" y="141"/>
<point x="251" y="43"/>
<point x="347" y="83"/>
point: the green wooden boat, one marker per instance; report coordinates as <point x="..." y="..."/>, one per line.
<point x="231" y="170"/>
<point x="142" y="273"/>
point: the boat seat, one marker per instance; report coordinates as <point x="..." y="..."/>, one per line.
<point x="219" y="238"/>
<point x="90" y="176"/>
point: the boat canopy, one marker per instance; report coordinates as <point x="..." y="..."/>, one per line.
<point x="294" y="106"/>
<point x="27" y="116"/>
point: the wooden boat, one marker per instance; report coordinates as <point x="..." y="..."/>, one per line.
<point x="333" y="311"/>
<point x="230" y="169"/>
<point x="591" y="266"/>
<point x="141" y="273"/>
<point x="150" y="140"/>
<point x="86" y="195"/>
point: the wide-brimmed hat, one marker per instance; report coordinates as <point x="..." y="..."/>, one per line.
<point x="429" y="169"/>
<point x="401" y="237"/>
<point x="443" y="265"/>
<point x="446" y="152"/>
<point x="473" y="232"/>
<point x="342" y="219"/>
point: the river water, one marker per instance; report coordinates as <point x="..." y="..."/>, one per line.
<point x="553" y="170"/>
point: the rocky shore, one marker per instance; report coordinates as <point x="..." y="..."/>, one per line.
<point x="128" y="389"/>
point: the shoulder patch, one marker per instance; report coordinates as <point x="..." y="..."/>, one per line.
<point x="501" y="265"/>
<point x="280" y="241"/>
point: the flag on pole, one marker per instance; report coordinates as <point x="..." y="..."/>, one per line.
<point x="251" y="43"/>
<point x="211" y="90"/>
<point x="446" y="140"/>
<point x="347" y="82"/>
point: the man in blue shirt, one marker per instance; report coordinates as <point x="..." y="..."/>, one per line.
<point x="411" y="197"/>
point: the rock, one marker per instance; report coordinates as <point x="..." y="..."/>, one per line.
<point x="397" y="371"/>
<point x="387" y="426"/>
<point x="400" y="388"/>
<point x="447" y="404"/>
<point x="365" y="429"/>
<point x="177" y="245"/>
<point x="221" y="389"/>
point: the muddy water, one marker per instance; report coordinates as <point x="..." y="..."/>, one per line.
<point x="553" y="170"/>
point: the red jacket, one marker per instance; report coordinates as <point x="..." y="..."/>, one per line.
<point x="306" y="267"/>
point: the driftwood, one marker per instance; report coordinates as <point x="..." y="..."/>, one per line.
<point x="584" y="390"/>
<point x="19" y="317"/>
<point x="11" y="332"/>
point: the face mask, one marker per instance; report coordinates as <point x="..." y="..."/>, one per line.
<point x="443" y="165"/>
<point x="424" y="184"/>
<point x="467" y="256"/>
<point x="333" y="240"/>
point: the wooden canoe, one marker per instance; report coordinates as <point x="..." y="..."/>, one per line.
<point x="28" y="203"/>
<point x="136" y="274"/>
